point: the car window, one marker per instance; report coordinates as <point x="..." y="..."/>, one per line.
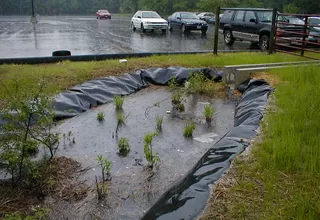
<point x="177" y="15"/>
<point x="314" y="21"/>
<point x="227" y="15"/>
<point x="239" y="16"/>
<point x="188" y="16"/>
<point x="249" y="15"/>
<point x="265" y="16"/>
<point x="138" y="14"/>
<point x="150" y="14"/>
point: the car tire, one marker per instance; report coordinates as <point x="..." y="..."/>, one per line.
<point x="142" y="28"/>
<point x="183" y="28"/>
<point x="169" y="27"/>
<point x="228" y="37"/>
<point x="264" y="42"/>
<point x="204" y="31"/>
<point x="133" y="27"/>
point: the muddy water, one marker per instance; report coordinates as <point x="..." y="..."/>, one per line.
<point x="133" y="188"/>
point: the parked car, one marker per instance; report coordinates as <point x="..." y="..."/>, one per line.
<point x="103" y="14"/>
<point x="314" y="30"/>
<point x="209" y="17"/>
<point x="254" y="25"/>
<point x="186" y="21"/>
<point x="148" y="20"/>
<point x="294" y="20"/>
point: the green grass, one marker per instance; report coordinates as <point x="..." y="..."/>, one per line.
<point x="100" y="116"/>
<point x="208" y="113"/>
<point x="123" y="145"/>
<point x="118" y="102"/>
<point x="159" y="120"/>
<point x="121" y="118"/>
<point x="280" y="179"/>
<point x="189" y="127"/>
<point x="63" y="75"/>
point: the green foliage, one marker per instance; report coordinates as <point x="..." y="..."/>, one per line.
<point x="150" y="156"/>
<point x="105" y="166"/>
<point x="208" y="113"/>
<point x="118" y="101"/>
<point x="121" y="118"/>
<point x="199" y="84"/>
<point x="100" y="116"/>
<point x="291" y="8"/>
<point x="176" y="95"/>
<point x="189" y="127"/>
<point x="123" y="145"/>
<point x="39" y="214"/>
<point x="159" y="120"/>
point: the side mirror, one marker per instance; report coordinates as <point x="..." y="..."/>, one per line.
<point x="139" y="16"/>
<point x="178" y="18"/>
<point x="253" y="20"/>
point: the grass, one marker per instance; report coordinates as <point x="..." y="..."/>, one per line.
<point x="208" y="113"/>
<point x="280" y="179"/>
<point x="121" y="118"/>
<point x="118" y="102"/>
<point x="123" y="145"/>
<point x="189" y="127"/>
<point x="62" y="76"/>
<point x="159" y="120"/>
<point x="100" y="116"/>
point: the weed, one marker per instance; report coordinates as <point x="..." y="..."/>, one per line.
<point x="123" y="145"/>
<point x="208" y="113"/>
<point x="189" y="127"/>
<point x="39" y="214"/>
<point x="181" y="107"/>
<point x="159" y="120"/>
<point x="121" y="118"/>
<point x="100" y="116"/>
<point x="198" y="83"/>
<point x="105" y="166"/>
<point x="150" y="157"/>
<point x="118" y="101"/>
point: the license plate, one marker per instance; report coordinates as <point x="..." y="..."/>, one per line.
<point x="198" y="27"/>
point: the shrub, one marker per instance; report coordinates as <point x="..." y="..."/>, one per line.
<point x="189" y="127"/>
<point x="208" y="113"/>
<point x="100" y="116"/>
<point x="150" y="157"/>
<point x="123" y="145"/>
<point x="118" y="101"/>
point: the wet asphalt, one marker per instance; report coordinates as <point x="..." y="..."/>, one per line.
<point x="86" y="35"/>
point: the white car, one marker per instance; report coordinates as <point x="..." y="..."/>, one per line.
<point x="148" y="20"/>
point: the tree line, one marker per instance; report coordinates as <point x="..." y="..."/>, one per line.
<point x="86" y="7"/>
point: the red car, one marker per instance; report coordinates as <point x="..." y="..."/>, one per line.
<point x="103" y="14"/>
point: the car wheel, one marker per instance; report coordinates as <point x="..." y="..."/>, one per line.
<point x="204" y="31"/>
<point x="133" y="27"/>
<point x="142" y="28"/>
<point x="169" y="27"/>
<point x="183" y="28"/>
<point x="164" y="30"/>
<point x="264" y="42"/>
<point x="228" y="38"/>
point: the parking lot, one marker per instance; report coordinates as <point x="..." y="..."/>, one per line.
<point x="87" y="35"/>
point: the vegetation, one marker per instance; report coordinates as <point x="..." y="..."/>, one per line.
<point x="176" y="95"/>
<point x="100" y="116"/>
<point x="105" y="166"/>
<point x="280" y="179"/>
<point x="40" y="214"/>
<point x="121" y="119"/>
<point x="53" y="7"/>
<point x="118" y="102"/>
<point x="159" y="120"/>
<point x="189" y="127"/>
<point x="123" y="146"/>
<point x="150" y="156"/>
<point x="208" y="113"/>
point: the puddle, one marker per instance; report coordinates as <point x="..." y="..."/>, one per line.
<point x="134" y="189"/>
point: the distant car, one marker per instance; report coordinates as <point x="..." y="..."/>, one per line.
<point x="209" y="17"/>
<point x="294" y="20"/>
<point x="314" y="30"/>
<point x="148" y="20"/>
<point x="103" y="14"/>
<point x="186" y="21"/>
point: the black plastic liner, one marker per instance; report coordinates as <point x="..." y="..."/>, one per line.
<point x="188" y="197"/>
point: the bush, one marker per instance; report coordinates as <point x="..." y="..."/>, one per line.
<point x="100" y="116"/>
<point x="123" y="145"/>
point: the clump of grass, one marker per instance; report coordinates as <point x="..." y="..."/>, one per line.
<point x="150" y="156"/>
<point x="100" y="116"/>
<point x="159" y="120"/>
<point x="208" y="113"/>
<point x="189" y="127"/>
<point x="118" y="101"/>
<point x="123" y="146"/>
<point x="121" y="118"/>
<point x="176" y="95"/>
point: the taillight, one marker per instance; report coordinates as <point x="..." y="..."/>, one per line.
<point x="278" y="33"/>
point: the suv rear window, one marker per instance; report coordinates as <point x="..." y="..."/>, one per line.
<point x="227" y="15"/>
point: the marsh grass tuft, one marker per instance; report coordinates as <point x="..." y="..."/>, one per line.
<point x="189" y="127"/>
<point x="151" y="157"/>
<point x="118" y="101"/>
<point x="159" y="120"/>
<point x="100" y="116"/>
<point x="121" y="118"/>
<point x="123" y="146"/>
<point x="208" y="113"/>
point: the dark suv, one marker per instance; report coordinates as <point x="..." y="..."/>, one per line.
<point x="252" y="24"/>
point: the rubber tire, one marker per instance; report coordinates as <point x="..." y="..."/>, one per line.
<point x="61" y="53"/>
<point x="169" y="26"/>
<point x="204" y="31"/>
<point x="183" y="28"/>
<point x="228" y="37"/>
<point x="133" y="27"/>
<point x="164" y="30"/>
<point x="264" y="42"/>
<point x="142" y="28"/>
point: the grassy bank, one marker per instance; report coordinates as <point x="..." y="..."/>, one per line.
<point x="62" y="76"/>
<point x="280" y="179"/>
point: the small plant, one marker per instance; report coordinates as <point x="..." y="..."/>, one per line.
<point x="150" y="157"/>
<point x="173" y="83"/>
<point x="118" y="101"/>
<point x="181" y="107"/>
<point x="159" y="120"/>
<point x="121" y="118"/>
<point x="105" y="166"/>
<point x="123" y="146"/>
<point x="208" y="113"/>
<point x="100" y="116"/>
<point x="188" y="129"/>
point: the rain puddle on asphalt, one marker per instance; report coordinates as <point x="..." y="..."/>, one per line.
<point x="134" y="188"/>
